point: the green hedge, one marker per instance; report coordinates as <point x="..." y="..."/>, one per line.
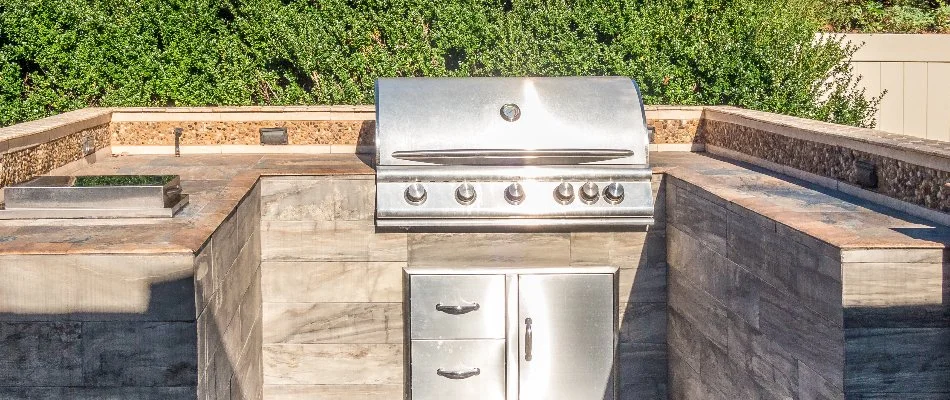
<point x="888" y="16"/>
<point x="57" y="55"/>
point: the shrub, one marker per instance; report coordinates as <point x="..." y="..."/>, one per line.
<point x="888" y="16"/>
<point x="57" y="55"/>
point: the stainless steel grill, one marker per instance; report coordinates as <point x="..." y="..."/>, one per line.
<point x="504" y="152"/>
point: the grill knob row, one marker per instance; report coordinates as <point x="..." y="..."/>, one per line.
<point x="564" y="193"/>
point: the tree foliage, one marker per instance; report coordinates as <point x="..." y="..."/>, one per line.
<point x="57" y="55"/>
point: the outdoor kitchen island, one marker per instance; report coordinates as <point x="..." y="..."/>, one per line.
<point x="273" y="281"/>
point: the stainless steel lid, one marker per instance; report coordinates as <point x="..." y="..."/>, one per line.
<point x="510" y="121"/>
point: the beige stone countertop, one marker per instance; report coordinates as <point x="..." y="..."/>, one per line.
<point x="217" y="183"/>
<point x="841" y="220"/>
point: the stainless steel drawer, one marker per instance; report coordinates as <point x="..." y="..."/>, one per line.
<point x="457" y="306"/>
<point x="458" y="369"/>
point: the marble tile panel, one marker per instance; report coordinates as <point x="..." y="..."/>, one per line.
<point x="204" y="278"/>
<point x="227" y="245"/>
<point x="645" y="284"/>
<point x="642" y="372"/>
<point x="318" y="199"/>
<point x="330" y="241"/>
<point x="698" y="309"/>
<point x="618" y="249"/>
<point x="333" y="323"/>
<point x="234" y="286"/>
<point x="249" y="211"/>
<point x="98" y="393"/>
<point x="699" y="217"/>
<point x="724" y="280"/>
<point x="333" y="392"/>
<point x="812" y="386"/>
<point x="139" y="354"/>
<point x="40" y="354"/>
<point x="762" y="363"/>
<point x="489" y="249"/>
<point x="896" y="361"/>
<point x="248" y="379"/>
<point x="98" y="287"/>
<point x="318" y="282"/>
<point x="804" y="334"/>
<point x="643" y="323"/>
<point x="333" y="364"/>
<point x="892" y="255"/>
<point x="895" y="284"/>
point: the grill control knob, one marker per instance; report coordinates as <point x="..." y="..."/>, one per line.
<point x="589" y="193"/>
<point x="415" y="194"/>
<point x="564" y="193"/>
<point x="514" y="194"/>
<point x="613" y="193"/>
<point x="465" y="194"/>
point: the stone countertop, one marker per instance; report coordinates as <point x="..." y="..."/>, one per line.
<point x="217" y="183"/>
<point x="841" y="220"/>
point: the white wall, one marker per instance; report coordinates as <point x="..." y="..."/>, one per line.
<point x="915" y="71"/>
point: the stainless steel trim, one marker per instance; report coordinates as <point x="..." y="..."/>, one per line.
<point x="494" y="202"/>
<point x="509" y="271"/>
<point x="512" y="351"/>
<point x="390" y="173"/>
<point x="91" y="213"/>
<point x="58" y="192"/>
<point x="511" y="156"/>
<point x="527" y="223"/>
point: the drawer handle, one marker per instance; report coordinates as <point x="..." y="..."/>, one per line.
<point x="459" y="374"/>
<point x="457" y="310"/>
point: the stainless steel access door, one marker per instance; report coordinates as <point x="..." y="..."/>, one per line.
<point x="566" y="336"/>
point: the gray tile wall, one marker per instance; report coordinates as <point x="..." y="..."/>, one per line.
<point x="97" y="327"/>
<point x="332" y="288"/>
<point x="754" y="308"/>
<point x="758" y="310"/>
<point x="897" y="323"/>
<point x="137" y="326"/>
<point x="228" y="298"/>
<point x="332" y="291"/>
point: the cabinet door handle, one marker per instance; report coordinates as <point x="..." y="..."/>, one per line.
<point x="458" y="374"/>
<point x="528" y="338"/>
<point x="457" y="310"/>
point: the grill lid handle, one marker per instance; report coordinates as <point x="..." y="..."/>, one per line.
<point x="512" y="156"/>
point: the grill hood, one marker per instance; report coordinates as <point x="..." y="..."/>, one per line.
<point x="453" y="121"/>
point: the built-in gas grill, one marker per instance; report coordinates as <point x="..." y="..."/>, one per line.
<point x="511" y="152"/>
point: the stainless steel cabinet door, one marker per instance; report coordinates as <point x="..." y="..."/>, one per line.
<point x="458" y="369"/>
<point x="566" y="336"/>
